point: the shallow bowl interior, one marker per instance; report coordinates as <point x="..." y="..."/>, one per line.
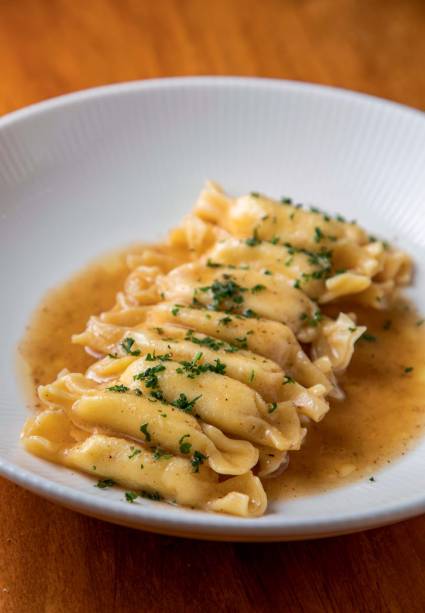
<point x="85" y="173"/>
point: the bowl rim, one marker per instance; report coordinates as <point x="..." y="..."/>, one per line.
<point x="154" y="516"/>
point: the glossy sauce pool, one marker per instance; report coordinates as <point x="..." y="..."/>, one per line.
<point x="382" y="416"/>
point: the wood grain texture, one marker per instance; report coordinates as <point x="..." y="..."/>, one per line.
<point x="57" y="561"/>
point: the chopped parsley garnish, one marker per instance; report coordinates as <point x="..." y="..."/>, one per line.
<point x="255" y="194"/>
<point x="194" y="368"/>
<point x="253" y="241"/>
<point x="372" y="479"/>
<point x="272" y="407"/>
<point x="127" y="345"/>
<point x="287" y="379"/>
<point x="240" y="343"/>
<point x="225" y="320"/>
<point x="118" y="388"/>
<point x="286" y="200"/>
<point x="165" y="357"/>
<point x="153" y="495"/>
<point x="144" y="429"/>
<point x="340" y="218"/>
<point x="212" y="343"/>
<point x="318" y="235"/>
<point x="420" y="322"/>
<point x="184" y="446"/>
<point x="184" y="404"/>
<point x="131" y="496"/>
<point x="134" y="452"/>
<point x="212" y="264"/>
<point x="175" y="310"/>
<point x="258" y="288"/>
<point x="218" y="367"/>
<point x="114" y="356"/>
<point x="160" y="454"/>
<point x="197" y="459"/>
<point x="157" y="395"/>
<point x="102" y="484"/>
<point x="408" y="369"/>
<point x="250" y="314"/>
<point x="226" y="293"/>
<point x="252" y="376"/>
<point x="312" y="321"/>
<point x="267" y="272"/>
<point x="149" y="376"/>
<point x="370" y="338"/>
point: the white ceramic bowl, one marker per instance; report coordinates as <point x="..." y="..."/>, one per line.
<point x="98" y="169"/>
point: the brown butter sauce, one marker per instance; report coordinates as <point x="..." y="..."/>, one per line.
<point x="382" y="416"/>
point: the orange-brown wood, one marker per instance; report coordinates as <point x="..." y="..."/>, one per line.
<point x="57" y="561"/>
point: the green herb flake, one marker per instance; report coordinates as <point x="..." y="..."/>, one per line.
<point x="258" y="288"/>
<point x="272" y="407"/>
<point x="164" y="357"/>
<point x="102" y="484"/>
<point x="160" y="454"/>
<point x="131" y="496"/>
<point x="287" y="379"/>
<point x="253" y="241"/>
<point x="118" y="388"/>
<point x="144" y="429"/>
<point x="370" y="338"/>
<point x="225" y="320"/>
<point x="254" y="194"/>
<point x="150" y="495"/>
<point x="420" y="322"/>
<point x="134" y="453"/>
<point x="197" y="459"/>
<point x="184" y="404"/>
<point x="313" y="321"/>
<point x="318" y="235"/>
<point x="227" y="294"/>
<point x="127" y="345"/>
<point x="408" y="369"/>
<point x="185" y="446"/>
<point x="212" y="264"/>
<point x="149" y="376"/>
<point x="250" y="314"/>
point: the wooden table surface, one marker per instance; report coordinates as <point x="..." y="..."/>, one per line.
<point x="54" y="560"/>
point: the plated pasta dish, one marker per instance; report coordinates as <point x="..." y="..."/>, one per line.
<point x="227" y="346"/>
